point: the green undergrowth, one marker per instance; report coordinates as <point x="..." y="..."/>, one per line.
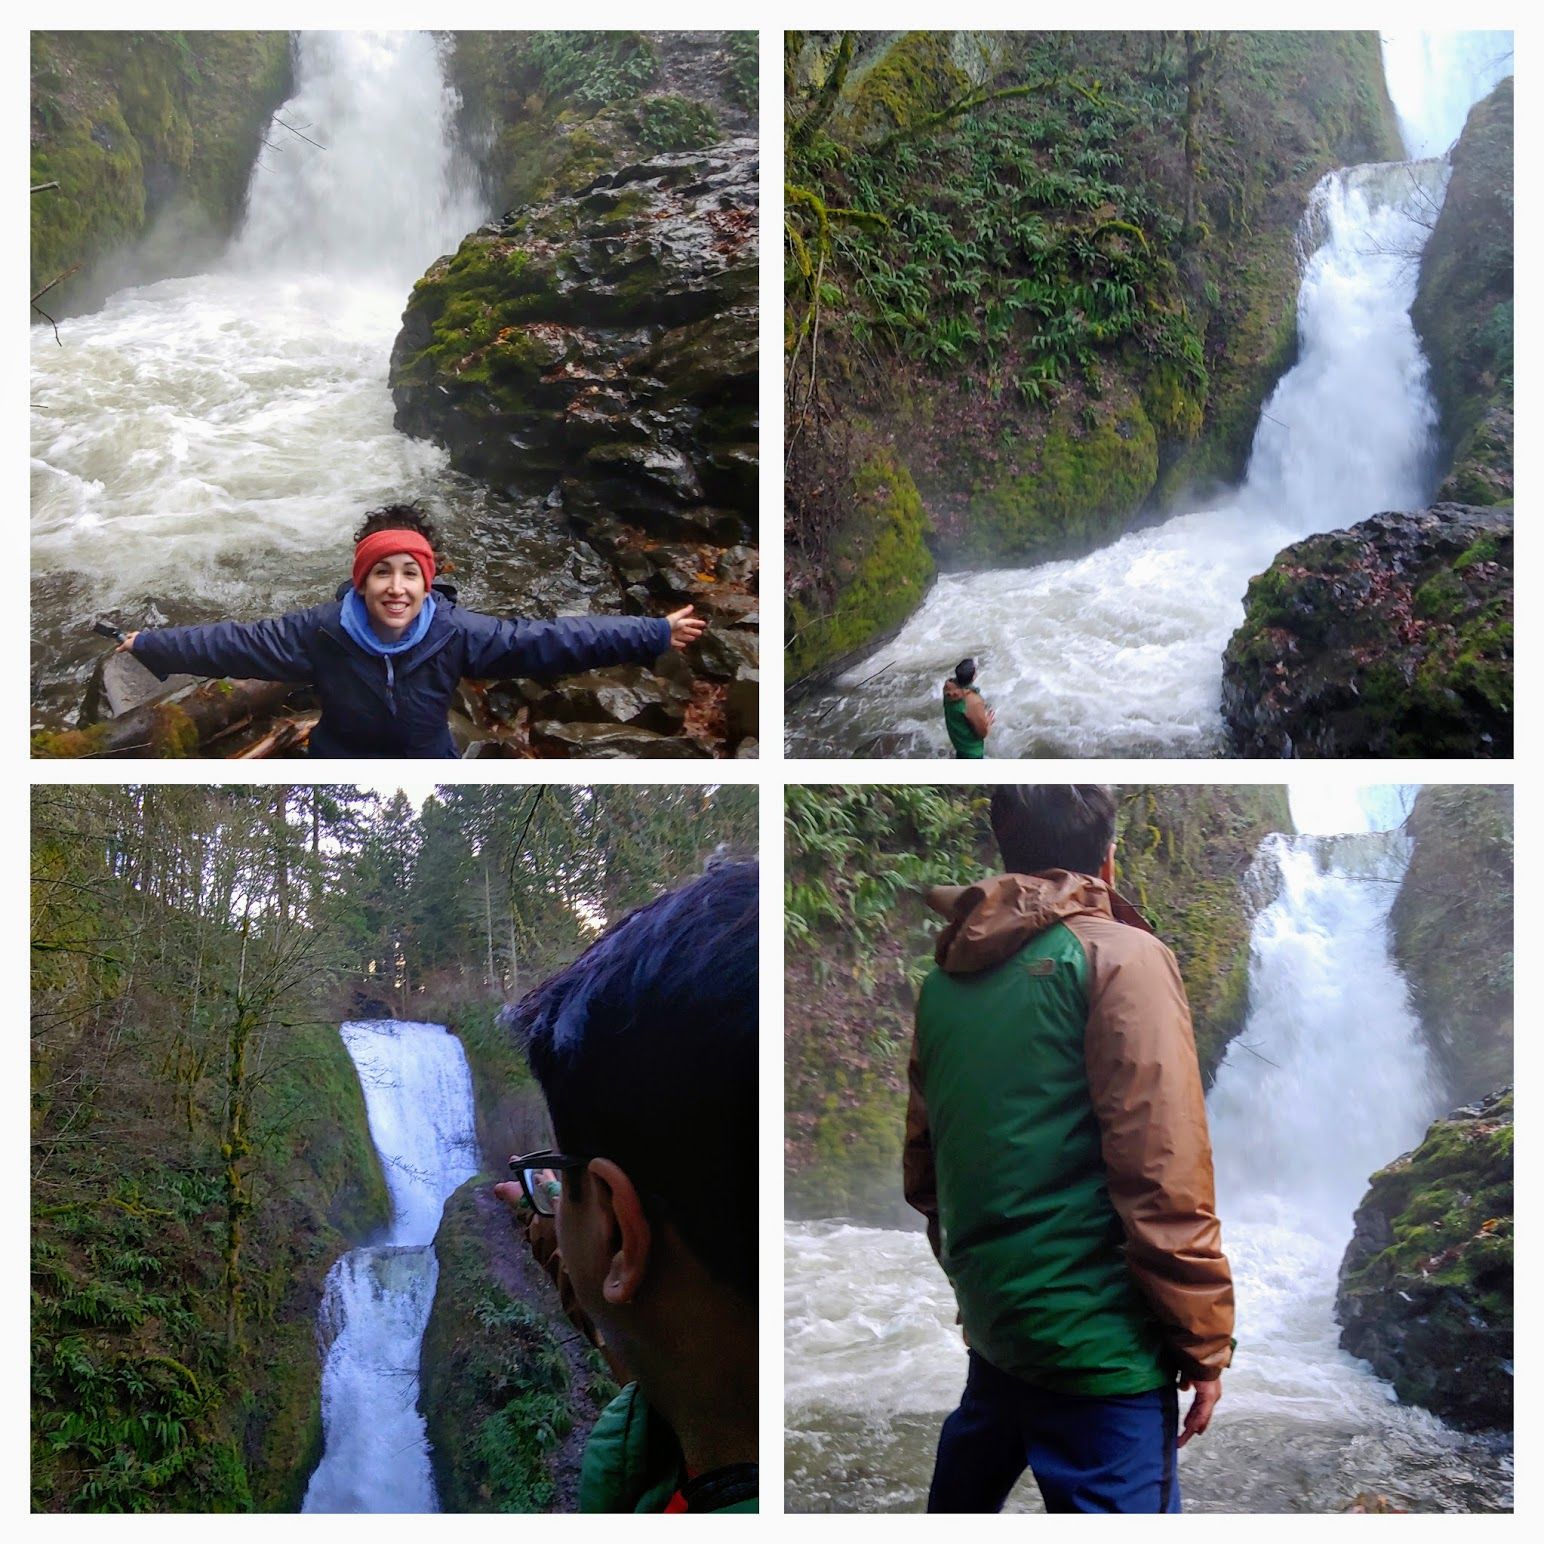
<point x="140" y="1403"/>
<point x="496" y="1388"/>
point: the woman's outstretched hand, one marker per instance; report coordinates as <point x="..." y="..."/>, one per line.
<point x="685" y="629"/>
<point x="127" y="646"/>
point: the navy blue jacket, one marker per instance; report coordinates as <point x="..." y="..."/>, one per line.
<point x="397" y="705"/>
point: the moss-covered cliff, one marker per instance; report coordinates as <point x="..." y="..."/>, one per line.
<point x="151" y="137"/>
<point x="1054" y="273"/>
<point x="507" y="1391"/>
<point x="547" y="112"/>
<point x="859" y="940"/>
<point x="1426" y="1286"/>
<point x="1452" y="923"/>
<point x="139" y="1401"/>
<point x="1463" y="308"/>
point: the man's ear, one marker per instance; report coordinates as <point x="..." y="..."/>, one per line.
<point x="1107" y="868"/>
<point x="631" y="1236"/>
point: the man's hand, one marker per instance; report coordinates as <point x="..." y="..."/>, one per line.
<point x="1199" y="1416"/>
<point x="127" y="646"/>
<point x="685" y="629"/>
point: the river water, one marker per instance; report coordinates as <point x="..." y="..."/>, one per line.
<point x="203" y="447"/>
<point x="1328" y="1081"/>
<point x="1120" y="653"/>
<point x="418" y="1095"/>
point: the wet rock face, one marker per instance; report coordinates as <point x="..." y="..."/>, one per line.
<point x="1393" y="638"/>
<point x="605" y="342"/>
<point x="1425" y="1290"/>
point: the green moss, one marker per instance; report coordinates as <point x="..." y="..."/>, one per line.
<point x="138" y="126"/>
<point x="1088" y="483"/>
<point x="496" y="1394"/>
<point x="880" y="572"/>
<point x="915" y="76"/>
<point x="51" y="744"/>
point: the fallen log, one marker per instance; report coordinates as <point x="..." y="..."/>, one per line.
<point x="174" y="727"/>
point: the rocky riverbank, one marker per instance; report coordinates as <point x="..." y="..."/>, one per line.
<point x="1425" y="1289"/>
<point x="1392" y="638"/>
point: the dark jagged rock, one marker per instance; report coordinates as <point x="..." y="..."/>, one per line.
<point x="1463" y="307"/>
<point x="623" y="694"/>
<point x="603" y="345"/>
<point x="607" y="338"/>
<point x="1393" y="638"/>
<point x="1452" y="930"/>
<point x="1425" y="1289"/>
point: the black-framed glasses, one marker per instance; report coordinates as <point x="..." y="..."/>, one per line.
<point x="536" y="1172"/>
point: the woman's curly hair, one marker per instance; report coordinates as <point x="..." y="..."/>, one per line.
<point x="403" y="517"/>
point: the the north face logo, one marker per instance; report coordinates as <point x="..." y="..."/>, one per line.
<point x="1040" y="967"/>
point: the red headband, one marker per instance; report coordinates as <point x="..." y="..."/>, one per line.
<point x="385" y="544"/>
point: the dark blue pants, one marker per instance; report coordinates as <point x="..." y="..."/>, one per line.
<point x="1114" y="1453"/>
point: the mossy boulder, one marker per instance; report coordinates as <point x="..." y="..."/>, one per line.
<point x="1452" y="930"/>
<point x="605" y="340"/>
<point x="1392" y="638"/>
<point x="1078" y="487"/>
<point x="152" y="137"/>
<point x="1425" y="1289"/>
<point x="1463" y="308"/>
<point x="879" y="569"/>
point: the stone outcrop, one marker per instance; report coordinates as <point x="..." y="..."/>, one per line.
<point x="1392" y="638"/>
<point x="603" y="342"/>
<point x="1425" y="1289"/>
<point x="601" y="347"/>
<point x="1452" y="931"/>
<point x="1463" y="308"/>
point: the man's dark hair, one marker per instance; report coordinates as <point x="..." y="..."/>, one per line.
<point x="646" y="1050"/>
<point x="400" y="517"/>
<point x="1042" y="826"/>
<point x="965" y="672"/>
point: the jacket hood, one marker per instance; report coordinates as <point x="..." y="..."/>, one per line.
<point x="991" y="921"/>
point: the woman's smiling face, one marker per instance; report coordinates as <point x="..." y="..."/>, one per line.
<point x="393" y="594"/>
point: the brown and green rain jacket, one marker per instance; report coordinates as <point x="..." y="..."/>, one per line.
<point x="1056" y="1140"/>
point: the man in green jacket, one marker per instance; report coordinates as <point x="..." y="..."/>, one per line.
<point x="1057" y="1145"/>
<point x="646" y="1052"/>
<point x="967" y="718"/>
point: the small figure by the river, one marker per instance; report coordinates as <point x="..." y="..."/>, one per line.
<point x="386" y="654"/>
<point x="966" y="716"/>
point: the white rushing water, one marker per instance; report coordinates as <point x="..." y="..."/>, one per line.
<point x="1328" y="1081"/>
<point x="1120" y="653"/>
<point x="418" y="1095"/>
<point x="204" y="446"/>
<point x="1436" y="77"/>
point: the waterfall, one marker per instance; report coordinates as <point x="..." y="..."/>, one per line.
<point x="418" y="1096"/>
<point x="1120" y="653"/>
<point x="1328" y="1081"/>
<point x="389" y="192"/>
<point x="202" y="447"/>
